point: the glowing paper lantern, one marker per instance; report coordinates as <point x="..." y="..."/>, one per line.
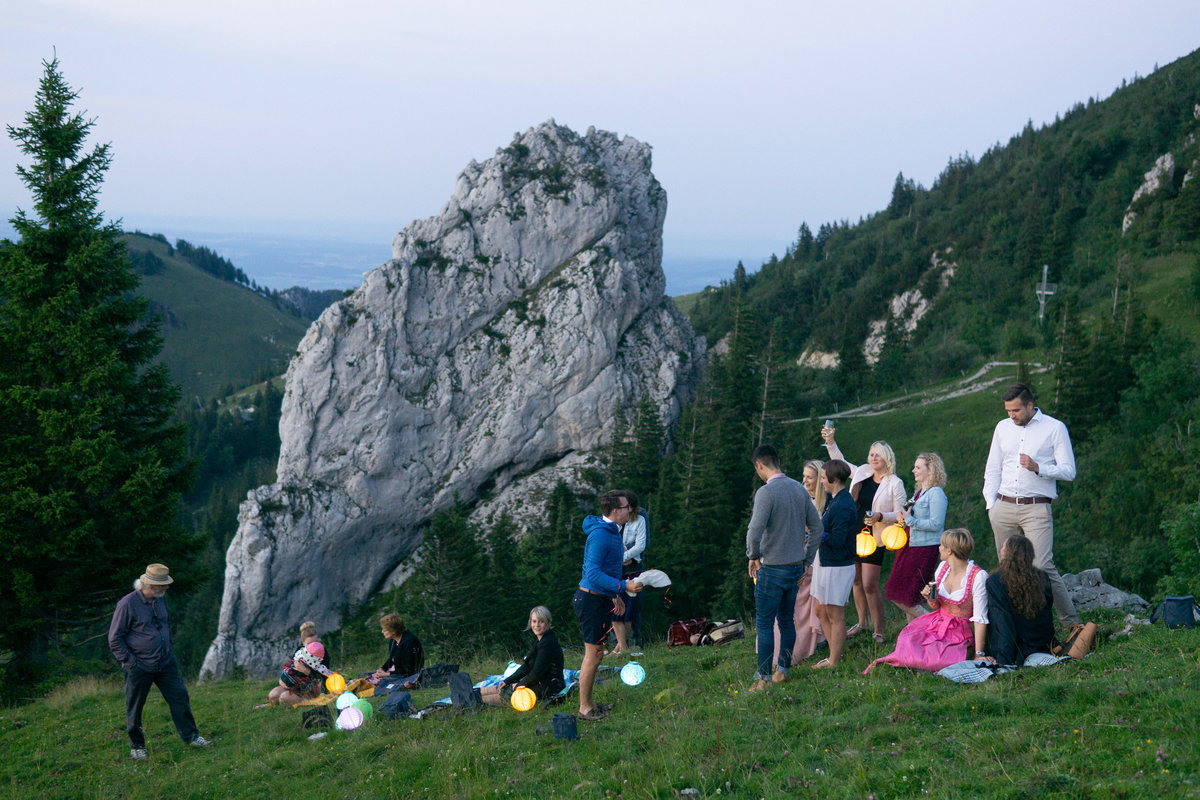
<point x="335" y="683"/>
<point x="633" y="674"/>
<point x="345" y="700"/>
<point x="349" y="719"/>
<point x="864" y="543"/>
<point x="365" y="707"/>
<point x="524" y="698"/>
<point x="895" y="537"/>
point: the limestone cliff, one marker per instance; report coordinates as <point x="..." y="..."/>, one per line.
<point x="496" y="345"/>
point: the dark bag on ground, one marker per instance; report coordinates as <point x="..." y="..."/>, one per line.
<point x="398" y="704"/>
<point x="427" y="678"/>
<point x="463" y="695"/>
<point x="723" y="632"/>
<point x="316" y="717"/>
<point x="681" y="632"/>
<point x="1177" y="612"/>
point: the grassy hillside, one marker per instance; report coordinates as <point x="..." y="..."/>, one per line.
<point x="1120" y="724"/>
<point x="217" y="334"/>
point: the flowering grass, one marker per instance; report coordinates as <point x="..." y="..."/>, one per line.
<point x="1120" y="724"/>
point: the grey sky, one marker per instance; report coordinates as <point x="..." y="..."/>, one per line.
<point x="352" y="119"/>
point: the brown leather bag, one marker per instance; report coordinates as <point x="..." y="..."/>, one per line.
<point x="1081" y="640"/>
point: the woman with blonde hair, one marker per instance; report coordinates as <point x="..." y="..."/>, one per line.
<point x="959" y="620"/>
<point x="542" y="670"/>
<point x="879" y="494"/>
<point x="808" y="623"/>
<point x="925" y="520"/>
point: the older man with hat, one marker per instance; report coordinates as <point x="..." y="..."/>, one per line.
<point x="140" y="638"/>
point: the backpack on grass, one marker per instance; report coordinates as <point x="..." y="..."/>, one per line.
<point x="463" y="694"/>
<point x="723" y="632"/>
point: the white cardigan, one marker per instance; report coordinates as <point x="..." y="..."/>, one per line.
<point x="889" y="498"/>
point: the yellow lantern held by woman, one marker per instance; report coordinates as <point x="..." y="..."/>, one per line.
<point x="895" y="536"/>
<point x="523" y="698"/>
<point x="864" y="543"/>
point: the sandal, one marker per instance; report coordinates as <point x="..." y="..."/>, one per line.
<point x="824" y="663"/>
<point x="854" y="630"/>
<point x="595" y="715"/>
<point x="879" y="638"/>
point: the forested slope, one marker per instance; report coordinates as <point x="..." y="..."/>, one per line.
<point x="1119" y="336"/>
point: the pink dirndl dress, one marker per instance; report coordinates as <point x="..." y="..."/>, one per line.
<point x="940" y="638"/>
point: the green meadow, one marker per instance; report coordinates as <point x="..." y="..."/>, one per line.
<point x="1119" y="724"/>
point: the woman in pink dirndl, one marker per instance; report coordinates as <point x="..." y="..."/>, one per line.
<point x="940" y="638"/>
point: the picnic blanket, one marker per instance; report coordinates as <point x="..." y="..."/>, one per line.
<point x="359" y="686"/>
<point x="980" y="671"/>
<point x="570" y="678"/>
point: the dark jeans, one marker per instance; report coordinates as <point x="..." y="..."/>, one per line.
<point x="775" y="599"/>
<point x="170" y="683"/>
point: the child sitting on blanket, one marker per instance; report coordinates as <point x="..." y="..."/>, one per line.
<point x="300" y="678"/>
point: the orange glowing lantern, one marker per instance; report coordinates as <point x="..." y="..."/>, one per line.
<point x="864" y="543"/>
<point x="523" y="698"/>
<point x="895" y="537"/>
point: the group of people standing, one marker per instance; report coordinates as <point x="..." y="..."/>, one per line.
<point x="800" y="543"/>
<point x="802" y="555"/>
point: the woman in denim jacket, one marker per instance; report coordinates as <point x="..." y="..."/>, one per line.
<point x="915" y="562"/>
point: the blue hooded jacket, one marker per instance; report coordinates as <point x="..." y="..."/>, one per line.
<point x="602" y="556"/>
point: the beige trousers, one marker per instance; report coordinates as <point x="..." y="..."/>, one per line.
<point x="1036" y="521"/>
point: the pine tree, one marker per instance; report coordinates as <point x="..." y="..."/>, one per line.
<point x="442" y="598"/>
<point x="91" y="469"/>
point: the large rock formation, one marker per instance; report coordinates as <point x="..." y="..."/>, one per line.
<point x="498" y="343"/>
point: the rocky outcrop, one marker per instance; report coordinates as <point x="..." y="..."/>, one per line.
<point x="1160" y="175"/>
<point x="497" y="345"/>
<point x="1089" y="591"/>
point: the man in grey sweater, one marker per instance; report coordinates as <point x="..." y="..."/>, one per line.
<point x="779" y="552"/>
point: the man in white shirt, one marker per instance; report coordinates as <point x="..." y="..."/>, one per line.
<point x="1030" y="451"/>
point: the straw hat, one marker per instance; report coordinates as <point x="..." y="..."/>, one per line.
<point x="157" y="575"/>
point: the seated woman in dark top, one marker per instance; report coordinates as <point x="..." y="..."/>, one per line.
<point x="543" y="668"/>
<point x="405" y="656"/>
<point x="1019" y="605"/>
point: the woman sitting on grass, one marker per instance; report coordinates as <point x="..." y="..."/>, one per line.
<point x="940" y="638"/>
<point x="543" y="668"/>
<point x="1019" y="605"/>
<point x="301" y="678"/>
<point x="405" y="655"/>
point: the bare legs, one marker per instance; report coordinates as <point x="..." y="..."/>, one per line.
<point x="621" y="631"/>
<point x="592" y="655"/>
<point x="867" y="597"/>
<point x="911" y="612"/>
<point x="280" y="696"/>
<point x="833" y="622"/>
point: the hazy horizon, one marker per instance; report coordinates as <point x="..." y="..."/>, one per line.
<point x="350" y="121"/>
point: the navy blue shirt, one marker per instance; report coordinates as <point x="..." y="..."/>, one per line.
<point x="841" y="522"/>
<point x="140" y="632"/>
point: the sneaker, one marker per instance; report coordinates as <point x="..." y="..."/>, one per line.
<point x="137" y="752"/>
<point x="200" y="741"/>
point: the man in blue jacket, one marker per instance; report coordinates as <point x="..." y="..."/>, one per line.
<point x="140" y="638"/>
<point x="598" y="594"/>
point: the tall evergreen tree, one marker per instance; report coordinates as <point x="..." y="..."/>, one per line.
<point x="90" y="468"/>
